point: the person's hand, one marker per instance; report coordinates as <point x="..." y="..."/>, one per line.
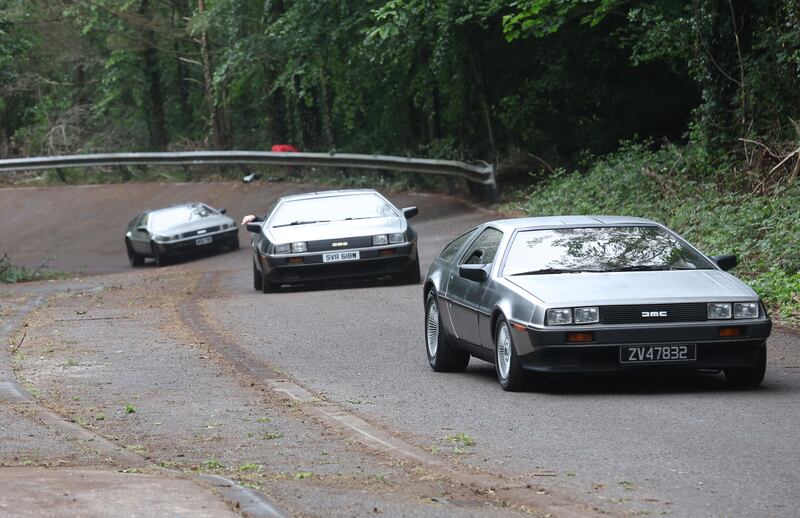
<point x="247" y="219"/>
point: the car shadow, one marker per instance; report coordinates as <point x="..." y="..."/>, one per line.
<point x="626" y="383"/>
<point x="347" y="284"/>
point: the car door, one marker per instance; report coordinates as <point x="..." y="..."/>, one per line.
<point x="140" y="239"/>
<point x="463" y="295"/>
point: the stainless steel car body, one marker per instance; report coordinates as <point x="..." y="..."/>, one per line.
<point x="341" y="231"/>
<point x="470" y="309"/>
<point x="176" y="229"/>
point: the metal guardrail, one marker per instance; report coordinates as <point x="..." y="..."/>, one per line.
<point x="482" y="176"/>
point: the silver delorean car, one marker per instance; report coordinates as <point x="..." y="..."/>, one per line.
<point x="189" y="227"/>
<point x="589" y="294"/>
<point x="329" y="235"/>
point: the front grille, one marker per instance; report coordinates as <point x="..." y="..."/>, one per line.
<point x="632" y="314"/>
<point x="197" y="232"/>
<point x="324" y="245"/>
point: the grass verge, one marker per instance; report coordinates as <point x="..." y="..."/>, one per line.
<point x="10" y="273"/>
<point x="763" y="230"/>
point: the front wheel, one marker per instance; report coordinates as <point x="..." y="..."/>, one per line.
<point x="159" y="257"/>
<point x="748" y="377"/>
<point x="412" y="275"/>
<point x="133" y="258"/>
<point x="233" y="244"/>
<point x="258" y="279"/>
<point x="509" y="372"/>
<point x="442" y="356"/>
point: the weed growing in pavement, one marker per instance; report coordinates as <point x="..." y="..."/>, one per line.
<point x="71" y="363"/>
<point x="135" y="447"/>
<point x="214" y="464"/>
<point x="130" y="409"/>
<point x="100" y="417"/>
<point x="268" y="436"/>
<point x="11" y="273"/>
<point x="250" y="467"/>
<point x="263" y="420"/>
<point x="462" y="439"/>
<point x="627" y="486"/>
<point x="458" y="451"/>
<point x="303" y="474"/>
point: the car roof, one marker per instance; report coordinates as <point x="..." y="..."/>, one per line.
<point x="328" y="194"/>
<point x="567" y="221"/>
<point x="187" y="204"/>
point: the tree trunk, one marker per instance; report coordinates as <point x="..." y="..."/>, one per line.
<point x="476" y="67"/>
<point x="157" y="119"/>
<point x="180" y="10"/>
<point x="217" y="136"/>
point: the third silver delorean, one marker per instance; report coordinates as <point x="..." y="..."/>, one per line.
<point x="589" y="294"/>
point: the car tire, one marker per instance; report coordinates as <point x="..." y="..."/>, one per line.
<point x="748" y="377"/>
<point x="134" y="258"/>
<point x="412" y="275"/>
<point x="506" y="362"/>
<point x="160" y="258"/>
<point x="258" y="279"/>
<point x="442" y="355"/>
<point x="234" y="243"/>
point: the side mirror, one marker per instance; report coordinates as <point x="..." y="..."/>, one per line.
<point x="255" y="228"/>
<point x="725" y="262"/>
<point x="410" y="212"/>
<point x="223" y="211"/>
<point x="141" y="229"/>
<point x="474" y="272"/>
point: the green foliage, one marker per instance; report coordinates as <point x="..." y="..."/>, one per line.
<point x="11" y="273"/>
<point x="763" y="230"/>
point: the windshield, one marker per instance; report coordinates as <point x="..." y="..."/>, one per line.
<point x="173" y="216"/>
<point x="332" y="208"/>
<point x="600" y="249"/>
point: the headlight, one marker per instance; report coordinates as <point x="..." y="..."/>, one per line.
<point x="745" y="310"/>
<point x="160" y="238"/>
<point x="589" y="315"/>
<point x="282" y="249"/>
<point x="397" y="238"/>
<point x="381" y="239"/>
<point x="559" y="316"/>
<point x="300" y="246"/>
<point x="719" y="310"/>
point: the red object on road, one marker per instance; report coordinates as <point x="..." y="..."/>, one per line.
<point x="284" y="148"/>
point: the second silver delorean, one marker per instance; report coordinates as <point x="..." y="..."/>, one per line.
<point x="329" y="235"/>
<point x="589" y="294"/>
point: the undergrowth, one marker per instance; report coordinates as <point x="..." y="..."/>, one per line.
<point x="762" y="229"/>
<point x="11" y="273"/>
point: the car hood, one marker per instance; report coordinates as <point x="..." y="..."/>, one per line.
<point x="634" y="287"/>
<point x="190" y="226"/>
<point x="337" y="229"/>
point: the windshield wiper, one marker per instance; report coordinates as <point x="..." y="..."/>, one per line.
<point x="640" y="268"/>
<point x="545" y="271"/>
<point x="301" y="223"/>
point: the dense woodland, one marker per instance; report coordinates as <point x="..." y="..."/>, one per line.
<point x="686" y="111"/>
<point x="537" y="83"/>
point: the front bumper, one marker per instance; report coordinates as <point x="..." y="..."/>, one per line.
<point x="546" y="350"/>
<point x="396" y="259"/>
<point x="186" y="246"/>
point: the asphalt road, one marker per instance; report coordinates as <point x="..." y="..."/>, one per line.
<point x="654" y="445"/>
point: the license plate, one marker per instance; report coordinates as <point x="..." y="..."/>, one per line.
<point x="203" y="240"/>
<point x="657" y="353"/>
<point x="335" y="257"/>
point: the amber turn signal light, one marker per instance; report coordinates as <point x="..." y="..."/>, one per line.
<point x="295" y="260"/>
<point x="727" y="332"/>
<point x="580" y="337"/>
<point x="386" y="251"/>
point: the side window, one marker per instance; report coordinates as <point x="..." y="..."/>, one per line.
<point x="454" y="246"/>
<point x="483" y="250"/>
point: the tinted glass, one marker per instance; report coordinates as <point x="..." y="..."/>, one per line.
<point x="178" y="215"/>
<point x="603" y="249"/>
<point x="454" y="246"/>
<point x="333" y="208"/>
<point x="487" y="242"/>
